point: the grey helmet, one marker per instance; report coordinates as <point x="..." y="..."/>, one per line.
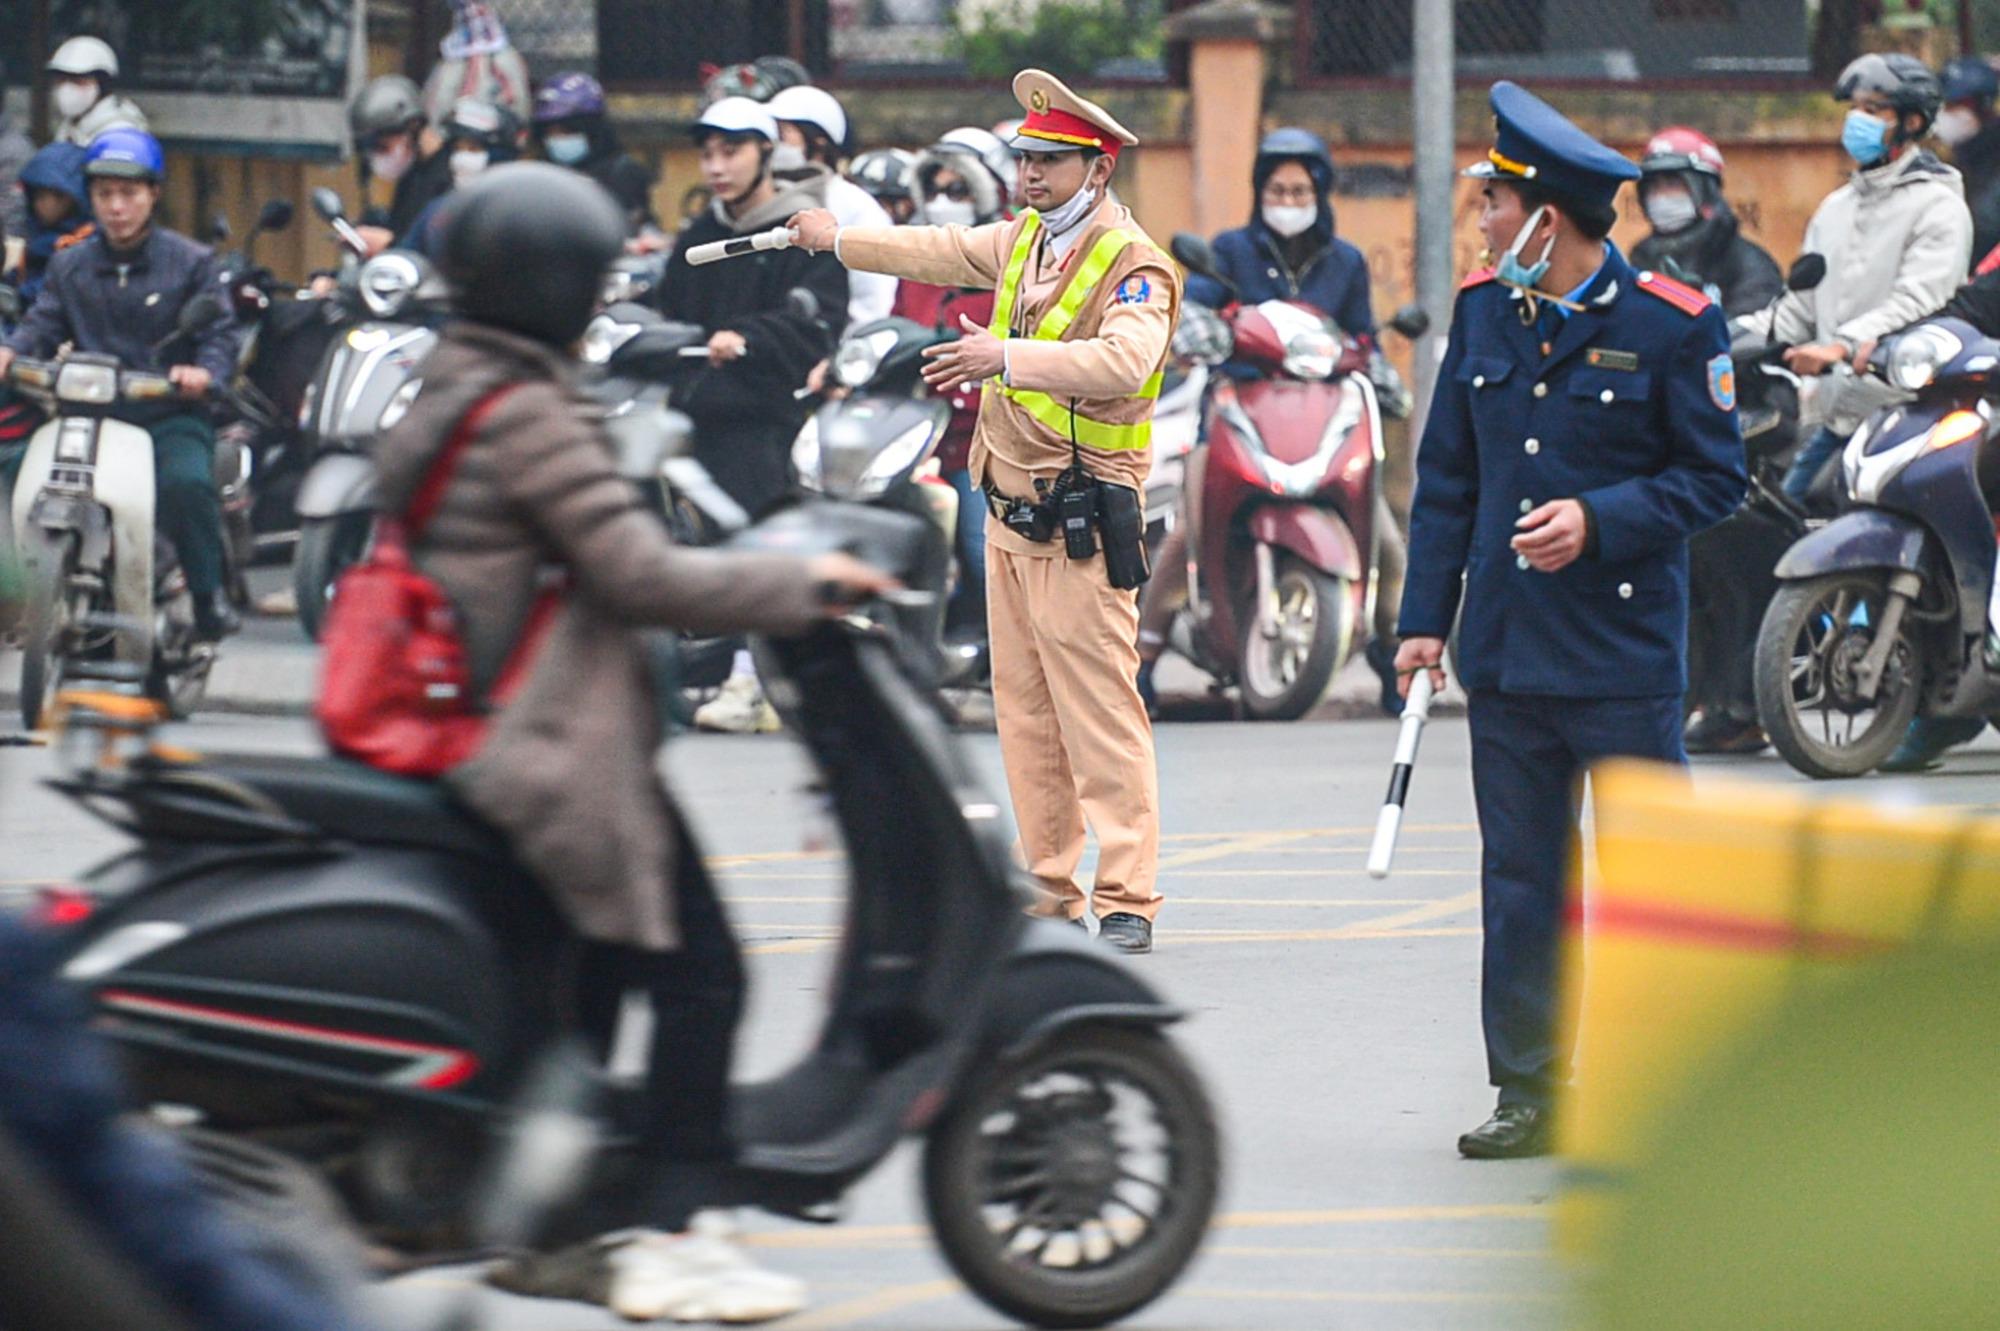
<point x="384" y="105"/>
<point x="886" y="173"/>
<point x="1907" y="83"/>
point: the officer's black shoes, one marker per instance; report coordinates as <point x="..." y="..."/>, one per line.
<point x="1515" y="1132"/>
<point x="215" y="618"/>
<point x="1719" y="732"/>
<point x="1147" y="693"/>
<point x="1126" y="932"/>
<point x="1381" y="655"/>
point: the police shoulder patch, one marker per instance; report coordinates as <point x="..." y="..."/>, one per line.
<point x="1677" y="294"/>
<point x="1722" y="382"/>
<point x="1134" y="290"/>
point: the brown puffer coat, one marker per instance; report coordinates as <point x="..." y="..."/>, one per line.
<point x="567" y="772"/>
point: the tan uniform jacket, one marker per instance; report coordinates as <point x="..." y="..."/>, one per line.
<point x="1118" y="341"/>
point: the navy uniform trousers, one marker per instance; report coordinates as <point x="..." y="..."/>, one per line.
<point x="1529" y="755"/>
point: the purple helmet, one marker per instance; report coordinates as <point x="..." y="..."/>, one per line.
<point x="568" y="97"/>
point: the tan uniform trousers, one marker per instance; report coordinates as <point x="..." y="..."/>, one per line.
<point x="1073" y="731"/>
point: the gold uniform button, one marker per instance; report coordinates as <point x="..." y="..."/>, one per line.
<point x="1541" y="390"/>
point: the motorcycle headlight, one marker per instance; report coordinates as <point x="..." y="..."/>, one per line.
<point x="387" y="282"/>
<point x="901" y="453"/>
<point x="855" y="363"/>
<point x="1312" y="354"/>
<point x="1203" y="337"/>
<point x="805" y="454"/>
<point x="1918" y="355"/>
<point x="603" y="338"/>
<point x="90" y="385"/>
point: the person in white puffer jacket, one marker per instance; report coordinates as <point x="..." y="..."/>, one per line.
<point x="81" y="73"/>
<point x="1897" y="239"/>
<point x="813" y="130"/>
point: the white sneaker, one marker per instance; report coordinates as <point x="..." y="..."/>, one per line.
<point x="739" y="709"/>
<point x="699" y="1276"/>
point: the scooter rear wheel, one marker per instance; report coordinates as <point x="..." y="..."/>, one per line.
<point x="328" y="547"/>
<point x="1071" y="1185"/>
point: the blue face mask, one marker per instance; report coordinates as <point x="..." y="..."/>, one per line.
<point x="1865" y="138"/>
<point x="1511" y="270"/>
<point x="567" y="149"/>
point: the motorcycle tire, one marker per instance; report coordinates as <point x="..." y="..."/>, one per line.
<point x="327" y="548"/>
<point x="1316" y="628"/>
<point x="998" y="1145"/>
<point x="41" y="654"/>
<point x="1791" y="613"/>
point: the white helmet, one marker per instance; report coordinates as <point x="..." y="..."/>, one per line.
<point x="806" y="105"/>
<point x="82" y="57"/>
<point x="738" y="115"/>
<point x="996" y="156"/>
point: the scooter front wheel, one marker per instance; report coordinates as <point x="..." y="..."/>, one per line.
<point x="1071" y="1185"/>
<point x="1286" y="673"/>
<point x="1815" y="636"/>
<point x="328" y="547"/>
<point x="47" y="624"/>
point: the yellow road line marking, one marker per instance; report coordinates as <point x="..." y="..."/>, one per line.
<point x="853" y="1312"/>
<point x="1241" y="845"/>
<point x="1272" y="837"/>
<point x="1248" y="1250"/>
<point x="1365" y="1296"/>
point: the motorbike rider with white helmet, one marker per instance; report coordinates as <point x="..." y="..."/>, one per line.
<point x="81" y="74"/>
<point x="812" y="132"/>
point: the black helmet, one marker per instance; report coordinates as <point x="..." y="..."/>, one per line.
<point x="388" y="103"/>
<point x="1293" y="145"/>
<point x="525" y="246"/>
<point x="1907" y="82"/>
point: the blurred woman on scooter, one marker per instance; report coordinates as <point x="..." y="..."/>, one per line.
<point x="566" y="772"/>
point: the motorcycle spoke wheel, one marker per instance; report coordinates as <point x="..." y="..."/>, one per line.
<point x="46" y="636"/>
<point x="1071" y="1186"/>
<point x="1286" y="672"/>
<point x="1814" y="639"/>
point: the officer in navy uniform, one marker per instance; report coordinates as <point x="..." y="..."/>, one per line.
<point x="1582" y="429"/>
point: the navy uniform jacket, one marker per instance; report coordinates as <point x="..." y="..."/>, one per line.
<point x="1633" y="413"/>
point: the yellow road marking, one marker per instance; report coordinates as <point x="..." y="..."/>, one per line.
<point x="1365" y="1296"/>
<point x="852" y="1312"/>
<point x="1230" y="849"/>
<point x="1274" y="837"/>
<point x="1500" y="1254"/>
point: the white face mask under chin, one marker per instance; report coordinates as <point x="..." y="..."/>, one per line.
<point x="1065" y="216"/>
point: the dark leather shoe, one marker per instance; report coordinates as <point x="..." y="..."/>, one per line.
<point x="1126" y="932"/>
<point x="1721" y="733"/>
<point x="1515" y="1132"/>
<point x="215" y="618"/>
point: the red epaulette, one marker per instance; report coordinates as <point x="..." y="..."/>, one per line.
<point x="1478" y="277"/>
<point x="1677" y="294"/>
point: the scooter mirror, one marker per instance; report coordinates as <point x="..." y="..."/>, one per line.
<point x="802" y="304"/>
<point x="219" y="230"/>
<point x="276" y="215"/>
<point x="1411" y="321"/>
<point x="327" y="204"/>
<point x="1195" y="254"/>
<point x="1807" y="272"/>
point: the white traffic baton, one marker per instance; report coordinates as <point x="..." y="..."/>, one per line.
<point x="1415" y="713"/>
<point x="777" y="238"/>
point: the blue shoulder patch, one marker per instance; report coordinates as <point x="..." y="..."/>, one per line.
<point x="1722" y="382"/>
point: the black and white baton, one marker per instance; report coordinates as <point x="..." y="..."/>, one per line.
<point x="1415" y="712"/>
<point x="777" y="238"/>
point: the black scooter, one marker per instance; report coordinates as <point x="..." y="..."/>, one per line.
<point x="346" y="967"/>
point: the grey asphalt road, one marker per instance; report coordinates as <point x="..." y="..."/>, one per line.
<point x="1335" y="1017"/>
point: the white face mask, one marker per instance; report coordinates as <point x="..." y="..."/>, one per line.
<point x="940" y="211"/>
<point x="1671" y="211"/>
<point x="788" y="157"/>
<point x="392" y="163"/>
<point x="1290" y="220"/>
<point x="1956" y="124"/>
<point x="1065" y="216"/>
<point x="73" y="99"/>
<point x="466" y="164"/>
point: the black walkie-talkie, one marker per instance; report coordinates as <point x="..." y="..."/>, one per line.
<point x="1077" y="512"/>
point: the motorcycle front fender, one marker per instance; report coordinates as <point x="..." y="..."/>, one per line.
<point x="1316" y="535"/>
<point x="338" y="484"/>
<point x="1056" y="979"/>
<point x="1867" y="538"/>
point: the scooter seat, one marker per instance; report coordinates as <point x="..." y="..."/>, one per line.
<point x="352" y="800"/>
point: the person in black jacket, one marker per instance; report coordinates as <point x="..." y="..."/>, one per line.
<point x="1696" y="239"/>
<point x="571" y="129"/>
<point x="1971" y="129"/>
<point x="396" y="144"/>
<point x="762" y="343"/>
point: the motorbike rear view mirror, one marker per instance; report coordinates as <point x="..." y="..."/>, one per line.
<point x="1807" y="272"/>
<point x="327" y="204"/>
<point x="802" y="304"/>
<point x="275" y="215"/>
<point x="1411" y="321"/>
<point x="1198" y="256"/>
<point x="219" y="230"/>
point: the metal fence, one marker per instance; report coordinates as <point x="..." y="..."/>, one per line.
<point x="669" y="43"/>
<point x="1588" y="40"/>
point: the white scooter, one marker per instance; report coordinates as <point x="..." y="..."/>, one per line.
<point x="106" y="596"/>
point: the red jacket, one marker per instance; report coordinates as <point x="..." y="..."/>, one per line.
<point x="940" y="308"/>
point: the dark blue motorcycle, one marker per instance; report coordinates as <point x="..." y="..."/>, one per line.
<point x="1882" y="614"/>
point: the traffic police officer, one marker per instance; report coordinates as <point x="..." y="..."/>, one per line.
<point x="1084" y="310"/>
<point x="1583" y="427"/>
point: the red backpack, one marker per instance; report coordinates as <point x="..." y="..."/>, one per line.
<point x="395" y="690"/>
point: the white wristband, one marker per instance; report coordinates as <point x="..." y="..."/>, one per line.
<point x="836" y="244"/>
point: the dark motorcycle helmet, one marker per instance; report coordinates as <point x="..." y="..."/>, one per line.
<point x="1906" y="82"/>
<point x="525" y="246"/>
<point x="1970" y="79"/>
<point x="1291" y="144"/>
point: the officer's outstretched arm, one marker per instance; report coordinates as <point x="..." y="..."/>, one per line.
<point x="946" y="256"/>
<point x="1703" y="480"/>
<point x="1444" y="507"/>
